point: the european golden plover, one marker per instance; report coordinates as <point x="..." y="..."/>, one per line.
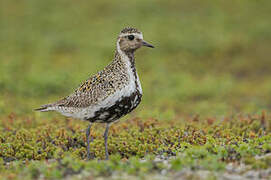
<point x="111" y="93"/>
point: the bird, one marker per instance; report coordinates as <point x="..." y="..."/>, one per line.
<point x="111" y="93"/>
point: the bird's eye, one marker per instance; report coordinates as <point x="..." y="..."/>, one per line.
<point x="131" y="37"/>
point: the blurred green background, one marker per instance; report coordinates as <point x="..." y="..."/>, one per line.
<point x="211" y="58"/>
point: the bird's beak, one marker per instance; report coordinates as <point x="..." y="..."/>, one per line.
<point x="144" y="43"/>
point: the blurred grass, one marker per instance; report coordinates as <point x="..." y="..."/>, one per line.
<point x="211" y="58"/>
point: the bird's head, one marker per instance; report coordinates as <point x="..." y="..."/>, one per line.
<point x="130" y="39"/>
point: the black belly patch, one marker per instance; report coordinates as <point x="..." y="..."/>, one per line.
<point x="119" y="109"/>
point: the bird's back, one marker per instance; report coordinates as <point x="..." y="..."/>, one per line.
<point x="98" y="87"/>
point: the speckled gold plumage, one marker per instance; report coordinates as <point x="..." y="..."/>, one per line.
<point x="99" y="86"/>
<point x="130" y="30"/>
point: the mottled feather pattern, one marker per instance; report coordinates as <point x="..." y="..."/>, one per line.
<point x="99" y="86"/>
<point x="130" y="30"/>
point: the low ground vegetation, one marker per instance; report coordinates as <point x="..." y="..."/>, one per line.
<point x="138" y="147"/>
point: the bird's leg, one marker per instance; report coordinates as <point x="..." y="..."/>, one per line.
<point x="87" y="135"/>
<point x="105" y="140"/>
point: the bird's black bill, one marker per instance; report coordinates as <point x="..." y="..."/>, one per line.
<point x="144" y="43"/>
